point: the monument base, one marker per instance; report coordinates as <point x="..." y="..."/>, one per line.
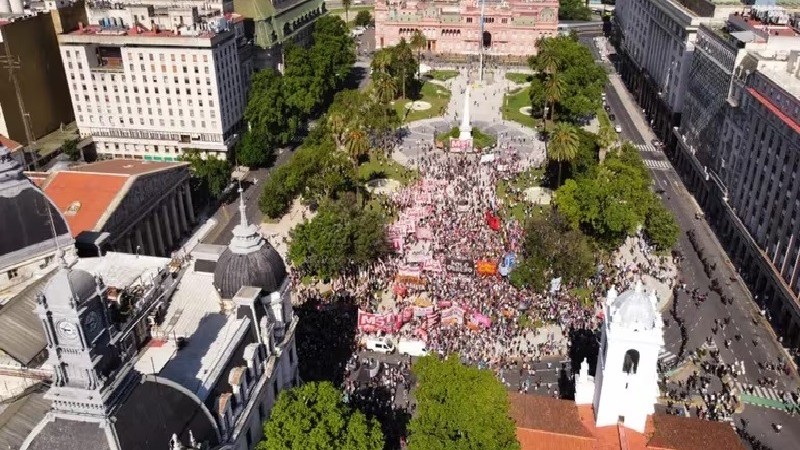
<point x="461" y="145"/>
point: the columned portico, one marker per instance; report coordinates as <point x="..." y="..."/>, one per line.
<point x="187" y="195"/>
<point x="161" y="249"/>
<point x="139" y="241"/>
<point x="176" y="225"/>
<point x="151" y="242"/>
<point x="182" y="210"/>
<point x="165" y="222"/>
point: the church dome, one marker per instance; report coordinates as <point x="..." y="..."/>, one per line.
<point x="25" y="228"/>
<point x="263" y="268"/>
<point x="249" y="260"/>
<point x="634" y="309"/>
<point x="81" y="283"/>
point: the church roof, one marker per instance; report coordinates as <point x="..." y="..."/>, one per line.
<point x="545" y="423"/>
<point x="19" y="417"/>
<point x="23" y="337"/>
<point x="84" y="197"/>
<point x="25" y="228"/>
<point x="634" y="308"/>
<point x="146" y="419"/>
<point x="249" y="260"/>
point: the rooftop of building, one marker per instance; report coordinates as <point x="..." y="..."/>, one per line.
<point x="211" y="337"/>
<point x="10" y="144"/>
<point x="123" y="270"/>
<point x="87" y="194"/>
<point x="753" y="23"/>
<point x="555" y="424"/>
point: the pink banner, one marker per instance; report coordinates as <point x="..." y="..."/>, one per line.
<point x="480" y="319"/>
<point x="371" y="323"/>
<point x="424" y="233"/>
<point x="423" y="312"/>
<point x="453" y="315"/>
<point x="433" y="265"/>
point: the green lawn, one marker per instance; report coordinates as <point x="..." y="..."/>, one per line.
<point x="351" y="12"/>
<point x="443" y="75"/>
<point x="436" y="95"/>
<point x="518" y="77"/>
<point x="512" y="104"/>
<point x="479" y="139"/>
<point x="380" y="167"/>
<point x="531" y="177"/>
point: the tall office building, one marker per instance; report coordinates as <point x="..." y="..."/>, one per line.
<point x="150" y="82"/>
<point x="738" y="148"/>
<point x="657" y="41"/>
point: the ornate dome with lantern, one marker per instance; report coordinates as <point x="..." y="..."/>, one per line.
<point x="249" y="260"/>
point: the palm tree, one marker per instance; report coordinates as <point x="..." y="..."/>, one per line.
<point x="547" y="61"/>
<point x="356" y="144"/>
<point x="553" y="90"/>
<point x="384" y="87"/>
<point x="382" y="60"/>
<point x="418" y="42"/>
<point x="346" y="5"/>
<point x="563" y="146"/>
<point x="606" y="137"/>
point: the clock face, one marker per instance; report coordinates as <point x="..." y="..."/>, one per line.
<point x="67" y="330"/>
<point x="92" y="321"/>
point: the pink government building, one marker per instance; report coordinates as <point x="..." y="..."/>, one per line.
<point x="452" y="27"/>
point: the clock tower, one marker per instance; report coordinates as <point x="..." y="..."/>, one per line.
<point x="88" y="367"/>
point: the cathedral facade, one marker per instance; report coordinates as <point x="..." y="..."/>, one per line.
<point x="510" y="28"/>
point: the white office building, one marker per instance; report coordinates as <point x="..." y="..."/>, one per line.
<point x="657" y="39"/>
<point x="143" y="90"/>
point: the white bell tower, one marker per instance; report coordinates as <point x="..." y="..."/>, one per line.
<point x="626" y="378"/>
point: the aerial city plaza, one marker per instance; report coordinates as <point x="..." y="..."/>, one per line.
<point x="455" y="228"/>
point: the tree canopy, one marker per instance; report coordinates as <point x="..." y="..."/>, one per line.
<point x="341" y="235"/>
<point x="573" y="10"/>
<point x="613" y="200"/>
<point x="582" y="80"/>
<point x="252" y="150"/>
<point x="552" y="249"/>
<point x="399" y="63"/>
<point x="314" y="417"/>
<point x="214" y="174"/>
<point x="459" y="407"/>
<point x="363" y="18"/>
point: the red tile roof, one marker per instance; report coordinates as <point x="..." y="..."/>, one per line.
<point x="83" y="198"/>
<point x="545" y="423"/>
<point x="126" y="166"/>
<point x="12" y="145"/>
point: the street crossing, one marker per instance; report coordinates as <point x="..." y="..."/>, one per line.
<point x="656" y="164"/>
<point x="764" y="396"/>
<point x="649" y="148"/>
<point x="667" y="357"/>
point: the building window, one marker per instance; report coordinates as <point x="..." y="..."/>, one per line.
<point x="14" y="274"/>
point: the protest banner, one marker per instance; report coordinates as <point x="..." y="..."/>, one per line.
<point x="370" y="323"/>
<point x="453" y="315"/>
<point x="486" y="267"/>
<point x="459" y="265"/>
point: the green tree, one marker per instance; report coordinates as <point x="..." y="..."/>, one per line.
<point x="583" y="78"/>
<point x="214" y="173"/>
<point x="252" y="151"/>
<point x="537" y="95"/>
<point x="304" y="88"/>
<point x="70" y="148"/>
<point x="552" y="249"/>
<point x="610" y="202"/>
<point x="363" y="18"/>
<point x="340" y="235"/>
<point x="269" y="112"/>
<point x="314" y="417"/>
<point x="554" y="88"/>
<point x="333" y="52"/>
<point x="573" y="10"/>
<point x="563" y="146"/>
<point x="661" y="227"/>
<point x="418" y="42"/>
<point x="460" y="408"/>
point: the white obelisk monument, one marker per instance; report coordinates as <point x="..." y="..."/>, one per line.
<point x="465" y="129"/>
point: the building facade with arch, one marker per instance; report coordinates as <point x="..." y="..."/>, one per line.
<point x="511" y="28"/>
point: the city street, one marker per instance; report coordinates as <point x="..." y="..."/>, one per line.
<point x="756" y="342"/>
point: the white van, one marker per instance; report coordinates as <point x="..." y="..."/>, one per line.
<point x="380" y="345"/>
<point x="412" y="347"/>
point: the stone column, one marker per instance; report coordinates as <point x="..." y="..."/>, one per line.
<point x="174" y="218"/>
<point x="167" y="227"/>
<point x="182" y="211"/>
<point x="128" y="244"/>
<point x="162" y="250"/>
<point x="139" y="241"/>
<point x="187" y="195"/>
<point x="149" y="238"/>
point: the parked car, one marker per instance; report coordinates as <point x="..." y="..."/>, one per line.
<point x="380" y="345"/>
<point x="618" y="129"/>
<point x="612" y="117"/>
